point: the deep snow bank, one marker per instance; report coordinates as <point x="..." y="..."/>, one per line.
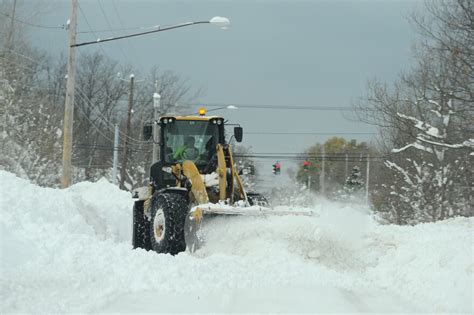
<point x="69" y="251"/>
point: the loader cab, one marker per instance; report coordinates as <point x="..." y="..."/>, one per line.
<point x="186" y="138"/>
<point x="190" y="138"/>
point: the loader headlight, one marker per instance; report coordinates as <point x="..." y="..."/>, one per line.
<point x="167" y="120"/>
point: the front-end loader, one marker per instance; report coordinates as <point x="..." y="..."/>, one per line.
<point x="195" y="175"/>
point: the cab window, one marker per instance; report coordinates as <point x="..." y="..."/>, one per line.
<point x="190" y="140"/>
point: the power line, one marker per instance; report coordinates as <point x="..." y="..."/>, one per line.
<point x="308" y="133"/>
<point x="160" y="29"/>
<point x="354" y="157"/>
<point x="118" y="29"/>
<point x="113" y="33"/>
<point x="311" y="153"/>
<point x="317" y="158"/>
<point x="83" y="97"/>
<point x="129" y="42"/>
<point x="32" y="24"/>
<point x="92" y="166"/>
<point x="109" y="148"/>
<point x="109" y="124"/>
<point x="26" y="57"/>
<point x="88" y="25"/>
<point x="279" y="107"/>
<point x="306" y="156"/>
<point x="93" y="123"/>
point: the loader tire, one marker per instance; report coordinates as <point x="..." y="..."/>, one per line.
<point x="256" y="199"/>
<point x="168" y="216"/>
<point x="141" y="227"/>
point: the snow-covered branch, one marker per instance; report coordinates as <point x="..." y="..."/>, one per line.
<point x="445" y="145"/>
<point x="415" y="145"/>
<point x="402" y="171"/>
<point x="423" y="126"/>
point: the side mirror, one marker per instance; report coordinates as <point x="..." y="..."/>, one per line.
<point x="147" y="132"/>
<point x="238" y="134"/>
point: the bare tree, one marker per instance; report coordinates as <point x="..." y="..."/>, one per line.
<point x="30" y="122"/>
<point x="97" y="106"/>
<point x="425" y="119"/>
<point x="176" y="93"/>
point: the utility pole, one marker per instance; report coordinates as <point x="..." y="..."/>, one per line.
<point x="116" y="144"/>
<point x="321" y="176"/>
<point x="347" y="166"/>
<point x="309" y="183"/>
<point x="123" y="169"/>
<point x="367" y="179"/>
<point x="156" y="130"/>
<point x="6" y="54"/>
<point x="12" y="27"/>
<point x="66" y="177"/>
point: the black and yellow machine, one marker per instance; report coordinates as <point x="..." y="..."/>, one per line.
<point x="195" y="175"/>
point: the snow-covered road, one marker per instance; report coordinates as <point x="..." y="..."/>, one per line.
<point x="67" y="251"/>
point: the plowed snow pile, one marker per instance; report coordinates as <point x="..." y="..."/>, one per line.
<point x="65" y="251"/>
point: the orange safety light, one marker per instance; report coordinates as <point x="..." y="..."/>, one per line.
<point x="202" y="111"/>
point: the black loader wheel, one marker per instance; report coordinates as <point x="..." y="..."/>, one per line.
<point x="168" y="216"/>
<point x="256" y="199"/>
<point x="141" y="227"/>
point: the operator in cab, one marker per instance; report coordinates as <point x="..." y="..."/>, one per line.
<point x="187" y="151"/>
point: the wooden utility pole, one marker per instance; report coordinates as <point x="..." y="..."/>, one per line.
<point x="127" y="133"/>
<point x="115" y="163"/>
<point x="346" y="169"/>
<point x="66" y="177"/>
<point x="322" y="174"/>
<point x="367" y="179"/>
<point x="8" y="65"/>
<point x="10" y="37"/>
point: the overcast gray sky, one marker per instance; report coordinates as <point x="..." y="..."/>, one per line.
<point x="295" y="53"/>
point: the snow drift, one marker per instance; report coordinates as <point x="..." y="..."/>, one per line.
<point x="66" y="251"/>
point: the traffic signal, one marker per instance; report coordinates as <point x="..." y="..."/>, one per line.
<point x="276" y="168"/>
<point x="306" y="165"/>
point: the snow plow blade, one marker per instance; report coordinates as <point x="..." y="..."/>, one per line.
<point x="198" y="211"/>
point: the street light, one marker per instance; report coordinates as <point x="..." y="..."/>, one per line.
<point x="218" y="21"/>
<point x="66" y="176"/>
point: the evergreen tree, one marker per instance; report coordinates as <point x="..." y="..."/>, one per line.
<point x="353" y="183"/>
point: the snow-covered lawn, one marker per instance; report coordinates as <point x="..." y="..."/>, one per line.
<point x="65" y="251"/>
